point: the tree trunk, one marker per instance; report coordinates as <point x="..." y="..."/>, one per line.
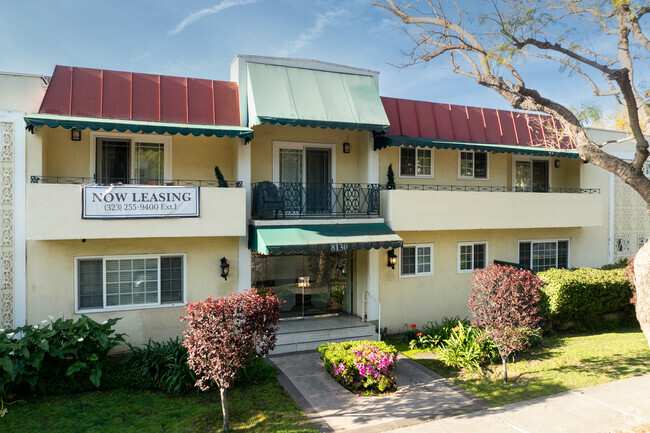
<point x="505" y="370"/>
<point x="642" y="284"/>
<point x="224" y="409"/>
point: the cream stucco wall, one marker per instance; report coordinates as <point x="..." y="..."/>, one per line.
<point x="350" y="167"/>
<point x="50" y="279"/>
<point x="419" y="299"/>
<point x="21" y="92"/>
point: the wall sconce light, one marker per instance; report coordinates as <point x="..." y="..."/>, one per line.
<point x="225" y="268"/>
<point x="392" y="259"/>
<point x="346" y="147"/>
<point x="75" y="134"/>
<point x="557" y="163"/>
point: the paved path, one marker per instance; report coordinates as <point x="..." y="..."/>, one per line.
<point x="611" y="407"/>
<point x="422" y="396"/>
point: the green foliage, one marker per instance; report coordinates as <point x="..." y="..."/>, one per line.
<point x="364" y="367"/>
<point x="55" y="351"/>
<point x="255" y="371"/>
<point x="467" y="347"/>
<point x="434" y="333"/>
<point x="621" y="264"/>
<point x="220" y="179"/>
<point x="581" y="297"/>
<point x="391" y="177"/>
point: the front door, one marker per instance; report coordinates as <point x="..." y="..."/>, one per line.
<point x="318" y="177"/>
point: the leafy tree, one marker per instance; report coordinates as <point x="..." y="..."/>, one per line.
<point x="599" y="41"/>
<point x="391" y="177"/>
<point x="504" y="301"/>
<point x="222" y="333"/>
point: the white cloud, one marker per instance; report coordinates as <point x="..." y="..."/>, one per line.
<point x="225" y="4"/>
<point x="312" y="33"/>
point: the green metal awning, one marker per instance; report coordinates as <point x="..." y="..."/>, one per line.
<point x="389" y="141"/>
<point x="68" y="122"/>
<point x="304" y="97"/>
<point x="321" y="237"/>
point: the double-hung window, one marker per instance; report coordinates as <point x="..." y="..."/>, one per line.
<point x="416" y="260"/>
<point x="115" y="283"/>
<point x="415" y="162"/>
<point x="542" y="255"/>
<point x="471" y="255"/>
<point x="472" y="165"/>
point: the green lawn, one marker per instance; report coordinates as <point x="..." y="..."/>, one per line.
<point x="262" y="407"/>
<point x="562" y="363"/>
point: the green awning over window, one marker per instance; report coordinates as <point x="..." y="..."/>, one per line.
<point x="389" y="141"/>
<point x="68" y="122"/>
<point x="305" y="97"/>
<point x="321" y="237"/>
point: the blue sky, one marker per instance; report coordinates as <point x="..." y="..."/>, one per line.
<point x="200" y="39"/>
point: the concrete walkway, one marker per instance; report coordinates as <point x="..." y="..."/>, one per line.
<point x="611" y="407"/>
<point x="422" y="396"/>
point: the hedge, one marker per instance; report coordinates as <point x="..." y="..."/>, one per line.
<point x="580" y="298"/>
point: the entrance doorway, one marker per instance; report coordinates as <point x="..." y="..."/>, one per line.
<point x="310" y="284"/>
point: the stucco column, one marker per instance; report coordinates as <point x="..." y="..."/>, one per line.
<point x="373" y="255"/>
<point x="244" y="176"/>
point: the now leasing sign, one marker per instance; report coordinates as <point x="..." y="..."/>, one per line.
<point x="130" y="201"/>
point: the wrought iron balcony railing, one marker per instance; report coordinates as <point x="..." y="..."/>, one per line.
<point x="477" y="188"/>
<point x="160" y="182"/>
<point x="298" y="200"/>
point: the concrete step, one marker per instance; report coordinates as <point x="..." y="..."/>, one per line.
<point x="351" y="332"/>
<point x="311" y="345"/>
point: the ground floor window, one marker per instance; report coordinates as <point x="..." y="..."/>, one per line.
<point x="542" y="255"/>
<point x="471" y="255"/>
<point x="416" y="260"/>
<point x="129" y="281"/>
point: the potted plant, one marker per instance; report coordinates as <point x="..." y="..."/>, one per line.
<point x="222" y="182"/>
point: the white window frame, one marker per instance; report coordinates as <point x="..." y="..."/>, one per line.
<point x="462" y="244"/>
<point x="78" y="310"/>
<point x="530" y="159"/>
<point x="539" y="241"/>
<point x="416" y="274"/>
<point x="277" y="145"/>
<point x="139" y="138"/>
<point x="416" y="175"/>
<point x="460" y="177"/>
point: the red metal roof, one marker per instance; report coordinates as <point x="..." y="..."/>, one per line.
<point x="131" y="96"/>
<point x="435" y="121"/>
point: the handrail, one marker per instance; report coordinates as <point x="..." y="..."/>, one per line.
<point x="364" y="312"/>
<point x="478" y="188"/>
<point x="72" y="180"/>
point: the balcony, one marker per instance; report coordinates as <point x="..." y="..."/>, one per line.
<point x="54" y="212"/>
<point x="284" y="200"/>
<point x="455" y="207"/>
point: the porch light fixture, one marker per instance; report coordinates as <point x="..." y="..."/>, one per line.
<point x="225" y="268"/>
<point x="557" y="163"/>
<point x="75" y="134"/>
<point x="346" y="147"/>
<point x="392" y="259"/>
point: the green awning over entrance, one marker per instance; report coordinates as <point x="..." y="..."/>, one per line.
<point x="95" y="124"/>
<point x="305" y="97"/>
<point x="321" y="237"/>
<point x="390" y="141"/>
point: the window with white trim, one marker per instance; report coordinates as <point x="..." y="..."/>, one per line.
<point x="542" y="255"/>
<point x="416" y="260"/>
<point x="472" y="164"/>
<point x="471" y="255"/>
<point x="130" y="281"/>
<point x="416" y="162"/>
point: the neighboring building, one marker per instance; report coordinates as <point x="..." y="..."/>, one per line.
<point x="305" y="147"/>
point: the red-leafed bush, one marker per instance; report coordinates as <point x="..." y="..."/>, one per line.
<point x="222" y="333"/>
<point x="504" y="301"/>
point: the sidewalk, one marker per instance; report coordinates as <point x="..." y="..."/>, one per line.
<point x="611" y="407"/>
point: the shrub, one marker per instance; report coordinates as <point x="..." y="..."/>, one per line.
<point x="53" y="351"/>
<point x="255" y="371"/>
<point x="621" y="264"/>
<point x="467" y="347"/>
<point x="362" y="367"/>
<point x="580" y="298"/>
<point x="434" y="333"/>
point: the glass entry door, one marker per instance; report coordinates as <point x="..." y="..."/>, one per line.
<point x="532" y="176"/>
<point x="318" y="180"/>
<point x="310" y="284"/>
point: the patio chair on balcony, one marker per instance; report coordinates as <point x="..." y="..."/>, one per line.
<point x="269" y="198"/>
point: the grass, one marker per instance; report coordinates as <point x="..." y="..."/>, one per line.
<point x="561" y="363"/>
<point x="264" y="407"/>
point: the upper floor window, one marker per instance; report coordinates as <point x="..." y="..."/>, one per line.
<point x="416" y="260"/>
<point x="415" y="162"/>
<point x="472" y="165"/>
<point x="131" y="159"/>
<point x="471" y="255"/>
<point x="532" y="175"/>
<point x="542" y="255"/>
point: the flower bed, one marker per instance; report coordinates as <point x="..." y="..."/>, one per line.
<point x="362" y="367"/>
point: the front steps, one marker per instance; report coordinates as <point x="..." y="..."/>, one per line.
<point x="309" y="333"/>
